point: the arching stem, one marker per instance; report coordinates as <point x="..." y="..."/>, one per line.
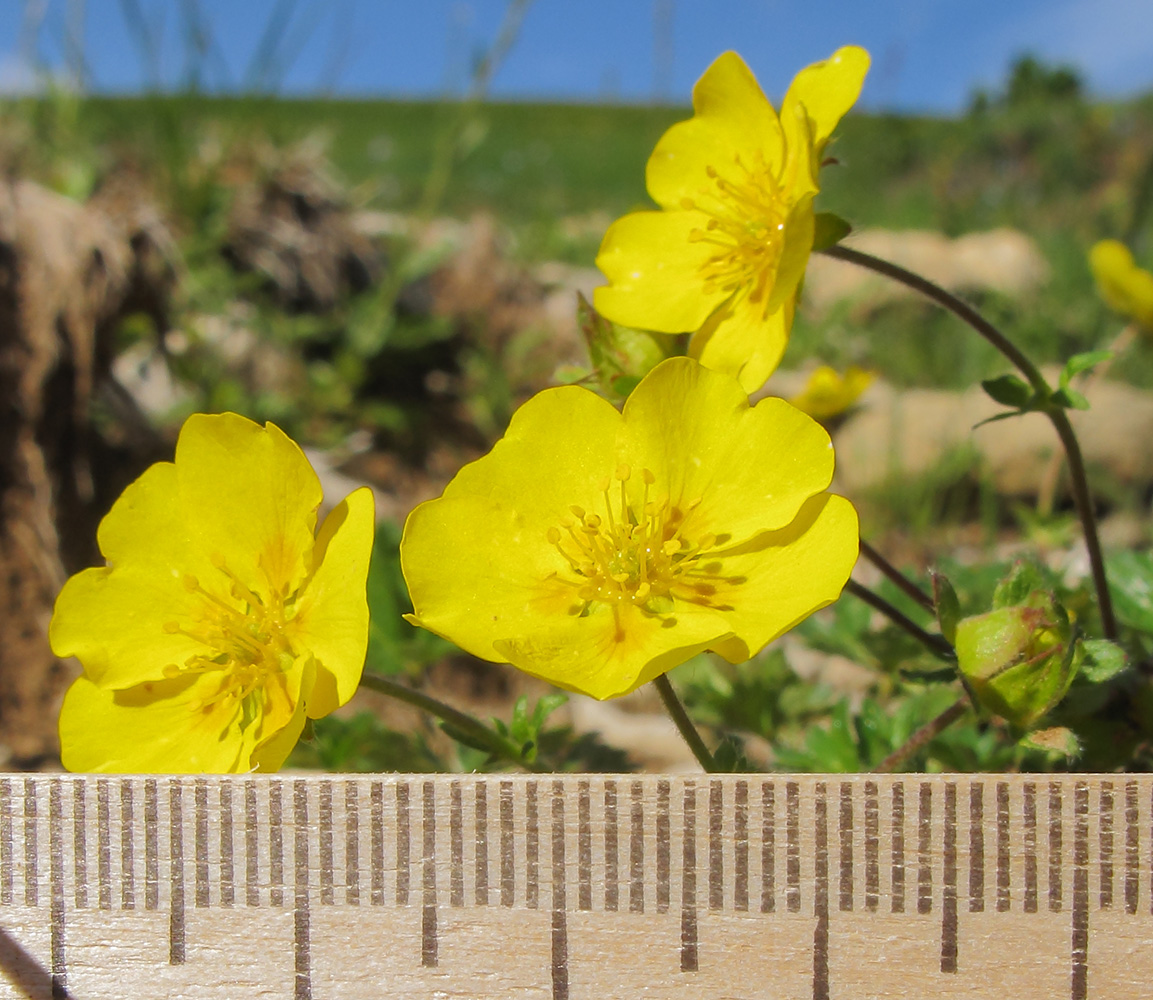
<point x="1057" y="415"/>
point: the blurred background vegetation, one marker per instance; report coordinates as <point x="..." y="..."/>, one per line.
<point x="388" y="280"/>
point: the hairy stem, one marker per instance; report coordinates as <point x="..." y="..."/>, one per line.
<point x="684" y="724"/>
<point x="938" y="645"/>
<point x="477" y="731"/>
<point x="1056" y="414"/>
<point x="923" y="736"/>
<point x="899" y="578"/>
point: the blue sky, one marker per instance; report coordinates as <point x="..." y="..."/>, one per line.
<point x="928" y="55"/>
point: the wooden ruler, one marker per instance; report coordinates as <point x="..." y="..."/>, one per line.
<point x="598" y="887"/>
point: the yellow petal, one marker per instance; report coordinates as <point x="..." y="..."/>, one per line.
<point x="1125" y="287"/>
<point x="799" y="229"/>
<point x="277" y="741"/>
<point x="149" y="729"/>
<point x="654" y="266"/>
<point x="332" y="617"/>
<point x="176" y="726"/>
<point x="249" y="494"/>
<point x="783" y="576"/>
<point x="751" y="468"/>
<point x="615" y="650"/>
<point x="114" y="621"/>
<point x="825" y="90"/>
<point x="828" y="393"/>
<point x="568" y="421"/>
<point x="479" y="571"/>
<point x="740" y="340"/>
<point x="732" y="118"/>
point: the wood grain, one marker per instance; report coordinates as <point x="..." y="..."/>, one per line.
<point x="589" y="886"/>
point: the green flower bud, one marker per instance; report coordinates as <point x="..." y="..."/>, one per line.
<point x="1019" y="661"/>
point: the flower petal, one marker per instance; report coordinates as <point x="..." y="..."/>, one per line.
<point x="732" y="117"/>
<point x="112" y="621"/>
<point x="613" y="650"/>
<point x="740" y="340"/>
<point x="1125" y="287"/>
<point x="784" y="576"/>
<point x="800" y="227"/>
<point x="826" y="90"/>
<point x="150" y="729"/>
<point x="249" y="494"/>
<point x="751" y="467"/>
<point x="332" y="617"/>
<point x="479" y="571"/>
<point x="275" y="742"/>
<point x="654" y="269"/>
<point x="567" y="421"/>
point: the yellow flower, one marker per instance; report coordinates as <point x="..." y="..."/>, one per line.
<point x="725" y="257"/>
<point x="828" y="393"/>
<point x="598" y="550"/>
<point x="1125" y="287"/>
<point x="220" y="621"/>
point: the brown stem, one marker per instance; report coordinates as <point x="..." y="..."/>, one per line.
<point x="1056" y="414"/>
<point x="899" y="578"/>
<point x="923" y="736"/>
<point x="938" y="645"/>
<point x="684" y="724"/>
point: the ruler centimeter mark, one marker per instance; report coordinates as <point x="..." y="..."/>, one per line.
<point x="761" y="847"/>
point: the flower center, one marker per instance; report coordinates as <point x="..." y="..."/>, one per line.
<point x="245" y="639"/>
<point x="746" y="225"/>
<point x="638" y="553"/>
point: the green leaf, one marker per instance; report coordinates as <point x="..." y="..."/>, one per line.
<point x="1082" y="363"/>
<point x="1024" y="579"/>
<point x="1103" y="660"/>
<point x="1131" y="583"/>
<point x="830" y="229"/>
<point x="947" y="605"/>
<point x="1070" y="399"/>
<point x="620" y="356"/>
<point x="1009" y="390"/>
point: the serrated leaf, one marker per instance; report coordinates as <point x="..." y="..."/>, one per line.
<point x="1009" y="390"/>
<point x="948" y="607"/>
<point x="1024" y="579"/>
<point x="1103" y="660"/>
<point x="829" y="230"/>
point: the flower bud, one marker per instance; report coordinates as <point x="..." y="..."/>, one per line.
<point x="1019" y="661"/>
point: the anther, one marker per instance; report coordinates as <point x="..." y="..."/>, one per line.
<point x="604" y="484"/>
<point x="190" y="582"/>
<point x="217" y="560"/>
<point x="553" y="536"/>
<point x="578" y="512"/>
<point x="688" y="204"/>
<point x="648" y="477"/>
<point x="623" y="472"/>
<point x="711" y="170"/>
<point x="593" y="521"/>
<point x="172" y="627"/>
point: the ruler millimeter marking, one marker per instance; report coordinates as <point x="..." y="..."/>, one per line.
<point x="577" y="886"/>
